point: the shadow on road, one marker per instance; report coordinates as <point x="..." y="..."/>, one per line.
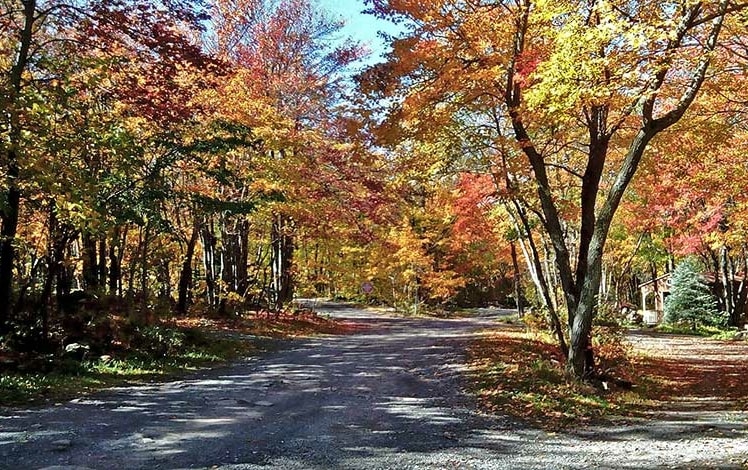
<point x="388" y="397"/>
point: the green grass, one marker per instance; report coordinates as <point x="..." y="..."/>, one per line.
<point x="712" y="332"/>
<point x="68" y="378"/>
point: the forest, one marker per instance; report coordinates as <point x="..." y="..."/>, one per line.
<point x="173" y="157"/>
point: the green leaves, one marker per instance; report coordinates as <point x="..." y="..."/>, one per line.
<point x="690" y="300"/>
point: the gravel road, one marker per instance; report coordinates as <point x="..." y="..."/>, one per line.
<point x="388" y="397"/>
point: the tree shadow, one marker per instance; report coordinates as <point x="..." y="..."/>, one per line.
<point x="387" y="397"/>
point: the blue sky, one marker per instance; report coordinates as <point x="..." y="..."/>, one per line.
<point x="361" y="27"/>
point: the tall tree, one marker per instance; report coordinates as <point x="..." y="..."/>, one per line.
<point x="39" y="38"/>
<point x="581" y="87"/>
<point x="288" y="75"/>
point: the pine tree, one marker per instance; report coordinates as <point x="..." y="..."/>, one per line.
<point x="690" y="300"/>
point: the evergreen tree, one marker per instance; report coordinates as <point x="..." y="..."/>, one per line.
<point x="690" y="300"/>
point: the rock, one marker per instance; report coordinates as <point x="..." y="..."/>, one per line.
<point x="61" y="445"/>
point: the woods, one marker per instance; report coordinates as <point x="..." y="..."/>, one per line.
<point x="173" y="158"/>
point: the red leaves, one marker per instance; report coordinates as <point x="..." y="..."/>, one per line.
<point x="527" y="63"/>
<point x="471" y="207"/>
<point x="148" y="49"/>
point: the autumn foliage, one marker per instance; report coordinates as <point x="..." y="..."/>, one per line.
<point x="230" y="155"/>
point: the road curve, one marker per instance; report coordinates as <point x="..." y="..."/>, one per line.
<point x="387" y="397"/>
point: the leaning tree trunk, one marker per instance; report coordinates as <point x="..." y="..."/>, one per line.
<point x="535" y="266"/>
<point x="517" y="281"/>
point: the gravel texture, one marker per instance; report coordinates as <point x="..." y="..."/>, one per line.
<point x="389" y="397"/>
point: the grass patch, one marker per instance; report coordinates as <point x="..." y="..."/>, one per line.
<point x="51" y="378"/>
<point x="712" y="332"/>
<point x="522" y="375"/>
<point x="681" y="329"/>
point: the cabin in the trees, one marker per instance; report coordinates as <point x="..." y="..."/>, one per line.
<point x="654" y="293"/>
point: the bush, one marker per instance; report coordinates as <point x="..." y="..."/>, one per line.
<point x="158" y="341"/>
<point x="691" y="301"/>
<point x="536" y="321"/>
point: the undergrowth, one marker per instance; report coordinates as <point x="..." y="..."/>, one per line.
<point x="54" y="376"/>
<point x="522" y="374"/>
<point x="142" y="353"/>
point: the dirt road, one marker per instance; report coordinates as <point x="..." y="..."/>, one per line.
<point x="388" y="397"/>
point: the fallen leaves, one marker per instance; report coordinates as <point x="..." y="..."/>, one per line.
<point x="522" y="375"/>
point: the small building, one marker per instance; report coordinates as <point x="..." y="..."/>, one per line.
<point x="653" y="295"/>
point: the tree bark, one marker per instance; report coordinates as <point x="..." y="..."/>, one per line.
<point x="12" y="195"/>
<point x="145" y="242"/>
<point x="115" y="265"/>
<point x="536" y="270"/>
<point x="282" y="261"/>
<point x="185" y="275"/>
<point x="209" y="249"/>
<point x="102" y="263"/>
<point x="517" y="281"/>
<point x="90" y="262"/>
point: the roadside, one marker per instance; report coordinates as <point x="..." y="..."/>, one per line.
<point x="163" y="351"/>
<point x="520" y="373"/>
<point x="390" y="396"/>
<point x="692" y="372"/>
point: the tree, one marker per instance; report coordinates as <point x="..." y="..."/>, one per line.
<point x="694" y="188"/>
<point x="690" y="300"/>
<point x="287" y="87"/>
<point x="45" y="46"/>
<point x="581" y="88"/>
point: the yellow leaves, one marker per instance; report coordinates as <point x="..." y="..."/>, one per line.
<point x="575" y="73"/>
<point x="264" y="186"/>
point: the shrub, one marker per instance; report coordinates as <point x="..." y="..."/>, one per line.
<point x="609" y="338"/>
<point x="158" y="341"/>
<point x="691" y="301"/>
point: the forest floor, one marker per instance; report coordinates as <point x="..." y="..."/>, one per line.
<point x="693" y="372"/>
<point x="390" y="395"/>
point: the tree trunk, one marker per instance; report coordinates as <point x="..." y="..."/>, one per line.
<point x="115" y="265"/>
<point x="12" y="195"/>
<point x="90" y="262"/>
<point x="282" y="261"/>
<point x="517" y="281"/>
<point x="535" y="265"/>
<point x="102" y="263"/>
<point x="209" y="245"/>
<point x="185" y="275"/>
<point x="144" y="261"/>
<point x="242" y="257"/>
